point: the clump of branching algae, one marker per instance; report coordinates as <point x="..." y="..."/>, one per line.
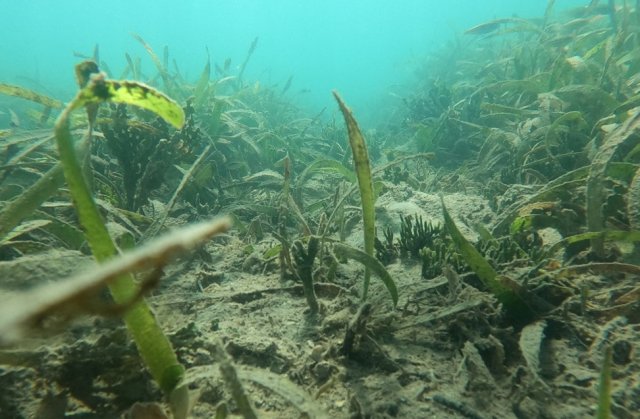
<point x="524" y="305"/>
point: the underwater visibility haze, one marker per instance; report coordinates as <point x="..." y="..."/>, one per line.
<point x="363" y="48"/>
<point x="350" y="209"/>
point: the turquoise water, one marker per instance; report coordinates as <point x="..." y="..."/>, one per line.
<point x="365" y="49"/>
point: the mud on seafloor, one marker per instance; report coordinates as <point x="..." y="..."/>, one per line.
<point x="440" y="354"/>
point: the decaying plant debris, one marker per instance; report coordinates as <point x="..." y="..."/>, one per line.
<point x="506" y="188"/>
<point x="61" y="299"/>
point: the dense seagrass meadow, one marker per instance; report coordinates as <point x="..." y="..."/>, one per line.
<point x="198" y="243"/>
